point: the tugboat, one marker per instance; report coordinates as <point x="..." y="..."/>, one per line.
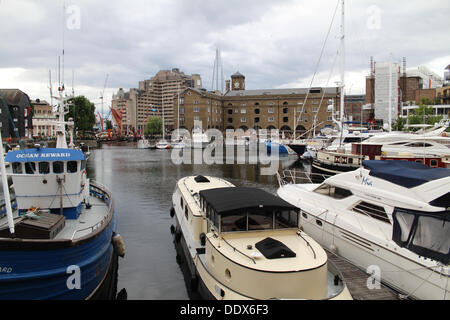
<point x="60" y="242"/>
<point x="245" y="243"/>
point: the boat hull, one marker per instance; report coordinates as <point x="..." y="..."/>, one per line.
<point x="299" y="149"/>
<point x="329" y="169"/>
<point x="60" y="269"/>
<point x="281" y="148"/>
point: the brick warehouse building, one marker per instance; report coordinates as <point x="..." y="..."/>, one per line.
<point x="245" y="109"/>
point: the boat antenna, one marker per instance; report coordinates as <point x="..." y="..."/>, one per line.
<point x="50" y="86"/>
<point x="9" y="213"/>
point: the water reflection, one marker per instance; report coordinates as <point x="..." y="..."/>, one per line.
<point x="142" y="182"/>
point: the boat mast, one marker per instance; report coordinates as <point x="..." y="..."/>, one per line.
<point x="178" y="122"/>
<point x="163" y="131"/>
<point x="390" y="93"/>
<point x="9" y="213"/>
<point x="342" y="68"/>
<point x="342" y="64"/>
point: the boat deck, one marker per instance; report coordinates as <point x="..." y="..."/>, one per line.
<point x="356" y="281"/>
<point x="87" y="222"/>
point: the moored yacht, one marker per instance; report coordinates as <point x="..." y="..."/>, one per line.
<point x="143" y="144"/>
<point x="244" y="243"/>
<point x="162" y="144"/>
<point x="389" y="215"/>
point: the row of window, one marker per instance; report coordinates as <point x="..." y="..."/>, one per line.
<point x="365" y="208"/>
<point x="56" y="167"/>
<point x="270" y="119"/>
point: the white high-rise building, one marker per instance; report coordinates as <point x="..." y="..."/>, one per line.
<point x="387" y="89"/>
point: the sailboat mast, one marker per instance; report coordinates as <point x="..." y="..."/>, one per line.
<point x="342" y="64"/>
<point x="163" y="132"/>
<point x="178" y="122"/>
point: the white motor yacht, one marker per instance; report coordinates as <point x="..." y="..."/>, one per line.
<point x="162" y="144"/>
<point x="390" y="216"/>
<point x="143" y="144"/>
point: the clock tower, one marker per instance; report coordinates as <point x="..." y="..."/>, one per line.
<point x="237" y="81"/>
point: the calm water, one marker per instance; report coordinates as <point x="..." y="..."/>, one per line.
<point x="142" y="183"/>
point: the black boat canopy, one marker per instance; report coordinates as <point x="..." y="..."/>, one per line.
<point x="228" y="201"/>
<point x="404" y="173"/>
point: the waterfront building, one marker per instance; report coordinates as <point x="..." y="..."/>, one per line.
<point x="44" y="119"/>
<point x="151" y="97"/>
<point x="239" y="108"/>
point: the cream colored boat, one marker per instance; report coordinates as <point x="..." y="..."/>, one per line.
<point x="245" y="243"/>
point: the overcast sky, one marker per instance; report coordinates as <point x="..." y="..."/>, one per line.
<point x="274" y="43"/>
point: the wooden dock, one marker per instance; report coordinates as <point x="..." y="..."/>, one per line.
<point x="356" y="281"/>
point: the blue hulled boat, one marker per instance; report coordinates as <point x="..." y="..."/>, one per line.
<point x="282" y="149"/>
<point x="60" y="240"/>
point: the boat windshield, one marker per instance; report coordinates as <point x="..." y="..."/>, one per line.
<point x="424" y="233"/>
<point x="253" y="220"/>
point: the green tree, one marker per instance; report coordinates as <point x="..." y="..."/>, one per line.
<point x="424" y="114"/>
<point x="399" y="124"/>
<point x="153" y="126"/>
<point x="108" y="124"/>
<point x="82" y="111"/>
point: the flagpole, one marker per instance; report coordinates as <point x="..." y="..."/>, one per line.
<point x="9" y="213"/>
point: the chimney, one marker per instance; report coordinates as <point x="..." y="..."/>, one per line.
<point x="227" y="85"/>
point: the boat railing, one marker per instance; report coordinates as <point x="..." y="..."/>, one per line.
<point x="237" y="250"/>
<point x="101" y="192"/>
<point x="299" y="177"/>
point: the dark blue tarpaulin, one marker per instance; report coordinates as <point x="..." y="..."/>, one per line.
<point x="404" y="173"/>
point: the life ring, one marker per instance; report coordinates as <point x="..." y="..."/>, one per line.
<point x="444" y="134"/>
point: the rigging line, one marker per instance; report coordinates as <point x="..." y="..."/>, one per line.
<point x="320" y="58"/>
<point x="67" y="195"/>
<point x="328" y="81"/>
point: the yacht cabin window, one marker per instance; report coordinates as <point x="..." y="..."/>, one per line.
<point x="30" y="167"/>
<point x="286" y="219"/>
<point x="372" y="210"/>
<point x="72" y="166"/>
<point x="17" y="167"/>
<point x="260" y="220"/>
<point x="333" y="191"/>
<point x="424" y="233"/>
<point x="58" y="167"/>
<point x="255" y="219"/>
<point x="44" y="167"/>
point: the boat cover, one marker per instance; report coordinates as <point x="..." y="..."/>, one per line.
<point x="226" y="201"/>
<point x="404" y="173"/>
<point x="201" y="179"/>
<point x="274" y="249"/>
